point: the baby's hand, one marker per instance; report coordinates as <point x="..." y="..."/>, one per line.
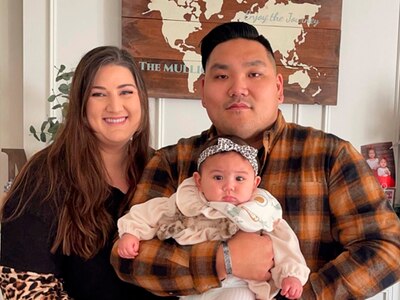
<point x="291" y="288"/>
<point x="128" y="246"/>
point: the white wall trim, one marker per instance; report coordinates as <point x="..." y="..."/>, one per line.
<point x="36" y="67"/>
<point x="396" y="137"/>
<point x="159" y="122"/>
<point x="326" y="118"/>
<point x="296" y="113"/>
<point x="52" y="48"/>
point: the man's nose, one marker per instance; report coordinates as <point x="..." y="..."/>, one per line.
<point x="238" y="87"/>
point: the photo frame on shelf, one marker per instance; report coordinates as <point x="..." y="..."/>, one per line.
<point x="390" y="195"/>
<point x="380" y="158"/>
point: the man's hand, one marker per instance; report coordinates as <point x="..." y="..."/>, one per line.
<point x="251" y="255"/>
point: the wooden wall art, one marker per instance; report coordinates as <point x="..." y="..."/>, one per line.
<point x="164" y="38"/>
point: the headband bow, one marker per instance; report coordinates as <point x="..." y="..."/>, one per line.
<point x="226" y="145"/>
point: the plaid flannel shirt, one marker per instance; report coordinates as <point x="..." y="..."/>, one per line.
<point x="348" y="233"/>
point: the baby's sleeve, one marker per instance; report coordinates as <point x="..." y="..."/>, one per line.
<point x="143" y="220"/>
<point x="289" y="261"/>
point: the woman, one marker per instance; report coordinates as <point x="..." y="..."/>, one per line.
<point x="59" y="218"/>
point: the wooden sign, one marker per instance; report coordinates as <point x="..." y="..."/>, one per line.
<point x="164" y="37"/>
<point x="16" y="160"/>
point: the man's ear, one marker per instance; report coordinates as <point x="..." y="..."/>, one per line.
<point x="279" y="86"/>
<point x="197" y="180"/>
<point x="257" y="181"/>
<point x="202" y="92"/>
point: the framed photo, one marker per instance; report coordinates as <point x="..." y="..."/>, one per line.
<point x="380" y="158"/>
<point x="390" y="194"/>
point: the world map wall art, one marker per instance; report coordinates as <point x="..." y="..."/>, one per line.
<point x="164" y="38"/>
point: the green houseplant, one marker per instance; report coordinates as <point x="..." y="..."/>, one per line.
<point x="59" y="100"/>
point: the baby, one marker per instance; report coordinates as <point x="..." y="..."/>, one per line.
<point x="384" y="175"/>
<point x="218" y="200"/>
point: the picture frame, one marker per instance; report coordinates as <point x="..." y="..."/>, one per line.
<point x="165" y="36"/>
<point x="380" y="159"/>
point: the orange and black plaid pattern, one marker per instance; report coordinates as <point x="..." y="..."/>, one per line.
<point x="347" y="230"/>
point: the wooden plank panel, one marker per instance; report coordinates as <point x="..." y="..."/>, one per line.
<point x="328" y="17"/>
<point x="325" y="81"/>
<point x="162" y="82"/>
<point x="143" y="37"/>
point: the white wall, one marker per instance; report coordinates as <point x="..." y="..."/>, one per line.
<point x="367" y="72"/>
<point x="60" y="32"/>
<point x="11" y="110"/>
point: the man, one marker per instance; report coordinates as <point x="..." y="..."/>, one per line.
<point x="347" y="230"/>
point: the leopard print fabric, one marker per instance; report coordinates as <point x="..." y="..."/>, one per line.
<point x="30" y="285"/>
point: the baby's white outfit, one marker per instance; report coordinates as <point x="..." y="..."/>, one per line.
<point x="383" y="171"/>
<point x="190" y="219"/>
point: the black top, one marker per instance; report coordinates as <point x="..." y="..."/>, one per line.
<point x="26" y="243"/>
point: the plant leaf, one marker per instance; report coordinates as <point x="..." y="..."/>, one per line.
<point x="67" y="76"/>
<point x="64" y="109"/>
<point x="61" y="69"/>
<point x="36" y="137"/>
<point x="43" y="137"/>
<point x="52" y="98"/>
<point x="44" y="124"/>
<point x="53" y="129"/>
<point x="64" y="88"/>
<point x="50" y="127"/>
<point x="32" y="129"/>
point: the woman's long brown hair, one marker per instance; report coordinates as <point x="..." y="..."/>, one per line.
<point x="71" y="169"/>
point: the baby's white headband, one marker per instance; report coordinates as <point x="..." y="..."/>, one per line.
<point x="226" y="145"/>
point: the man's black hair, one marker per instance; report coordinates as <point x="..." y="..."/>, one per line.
<point x="229" y="31"/>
